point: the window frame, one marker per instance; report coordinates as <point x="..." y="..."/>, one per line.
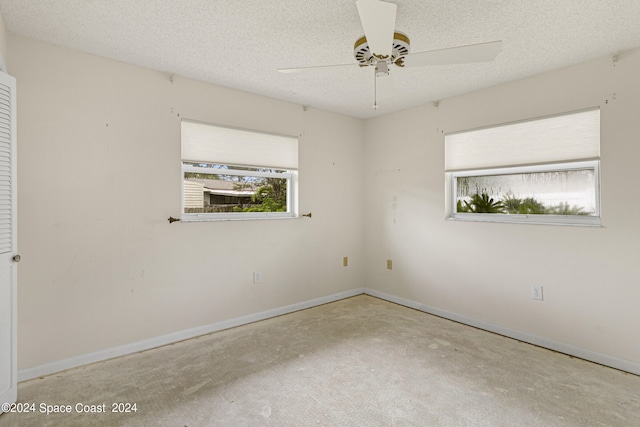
<point x="289" y="175"/>
<point x="238" y="150"/>
<point x="545" y="219"/>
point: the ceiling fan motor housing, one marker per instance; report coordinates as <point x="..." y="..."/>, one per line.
<point x="365" y="57"/>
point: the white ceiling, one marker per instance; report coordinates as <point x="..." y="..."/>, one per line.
<point x="241" y="43"/>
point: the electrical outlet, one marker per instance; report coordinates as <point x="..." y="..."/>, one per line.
<point x="257" y="277"/>
<point x="389" y="264"/>
<point x="536" y="292"/>
<point x="345" y="261"/>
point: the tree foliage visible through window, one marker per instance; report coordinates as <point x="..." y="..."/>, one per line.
<point x="509" y="204"/>
<point x="271" y="196"/>
<point x="554" y="192"/>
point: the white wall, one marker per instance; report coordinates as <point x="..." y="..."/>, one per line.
<point x="99" y="174"/>
<point x="485" y="271"/>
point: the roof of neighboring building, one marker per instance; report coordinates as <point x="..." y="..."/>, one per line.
<point x="227" y="188"/>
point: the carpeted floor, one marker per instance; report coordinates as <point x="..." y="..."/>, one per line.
<point x="355" y="362"/>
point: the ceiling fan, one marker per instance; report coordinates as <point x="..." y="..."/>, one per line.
<point x="382" y="46"/>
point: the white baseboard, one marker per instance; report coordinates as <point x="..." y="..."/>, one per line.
<point x="582" y="353"/>
<point x="123" y="350"/>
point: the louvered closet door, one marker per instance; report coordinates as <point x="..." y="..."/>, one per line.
<point x="8" y="241"/>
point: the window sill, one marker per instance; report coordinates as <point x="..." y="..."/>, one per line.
<point x="576" y="221"/>
<point x="238" y="217"/>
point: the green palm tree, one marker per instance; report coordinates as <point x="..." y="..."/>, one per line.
<point x="511" y="203"/>
<point x="532" y="206"/>
<point x="482" y="203"/>
<point x="565" y="209"/>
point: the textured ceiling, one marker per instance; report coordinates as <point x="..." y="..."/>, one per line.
<point x="241" y="43"/>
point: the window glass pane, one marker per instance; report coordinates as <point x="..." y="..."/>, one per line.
<point x="565" y="192"/>
<point x="219" y="193"/>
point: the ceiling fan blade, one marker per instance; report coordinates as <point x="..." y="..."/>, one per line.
<point x="378" y="22"/>
<point x="482" y="52"/>
<point x="314" y="68"/>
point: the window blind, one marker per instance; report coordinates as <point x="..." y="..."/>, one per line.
<point x="207" y="143"/>
<point x="573" y="136"/>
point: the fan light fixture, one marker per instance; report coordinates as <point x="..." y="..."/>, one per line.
<point x="363" y="55"/>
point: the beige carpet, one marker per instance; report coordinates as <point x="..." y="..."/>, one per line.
<point x="356" y="362"/>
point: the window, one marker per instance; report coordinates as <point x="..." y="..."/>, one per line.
<point x="537" y="171"/>
<point x="232" y="173"/>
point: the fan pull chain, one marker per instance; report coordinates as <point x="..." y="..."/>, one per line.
<point x="375" y="90"/>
